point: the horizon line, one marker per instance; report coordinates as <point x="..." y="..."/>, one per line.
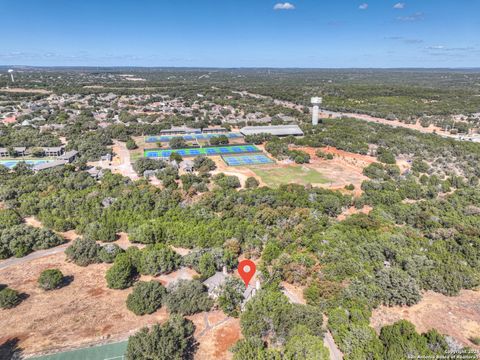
<point x="241" y="67"/>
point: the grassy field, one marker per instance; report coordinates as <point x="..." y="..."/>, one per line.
<point x="293" y="174"/>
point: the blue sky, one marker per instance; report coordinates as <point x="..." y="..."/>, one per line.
<point x="241" y="33"/>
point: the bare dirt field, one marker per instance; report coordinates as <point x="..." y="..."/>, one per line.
<point x="86" y="312"/>
<point x="216" y="333"/>
<point x="82" y="312"/>
<point x="456" y="316"/>
<point x="20" y="90"/>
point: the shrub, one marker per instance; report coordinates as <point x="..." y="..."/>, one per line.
<point x="101" y="231"/>
<point x="251" y="183"/>
<point x="50" y="279"/>
<point x="385" y="156"/>
<point x="206" y="265"/>
<point x="146" y="297"/>
<point x="147" y="233"/>
<point x="121" y="274"/>
<point x="158" y="259"/>
<point x="131" y="145"/>
<point x="83" y="252"/>
<point x="188" y="297"/>
<point x="20" y="240"/>
<point x="302" y="345"/>
<point x="227" y="182"/>
<point x="177" y="142"/>
<point x="9" y="298"/>
<point x="174" y="156"/>
<point x="144" y="164"/>
<point x="219" y="140"/>
<point x="398" y="287"/>
<point x="109" y="252"/>
<point x="204" y="164"/>
<point x="9" y="218"/>
<point x="350" y="187"/>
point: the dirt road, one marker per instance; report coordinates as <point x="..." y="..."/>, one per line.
<point x="35" y="255"/>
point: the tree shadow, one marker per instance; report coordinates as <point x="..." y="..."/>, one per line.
<point x="10" y="350"/>
<point x="22" y="297"/>
<point x="67" y="280"/>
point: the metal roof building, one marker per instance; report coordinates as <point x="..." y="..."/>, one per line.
<point x="275" y="130"/>
<point x="49" y="165"/>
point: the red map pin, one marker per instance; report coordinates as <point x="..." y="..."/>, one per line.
<point x="246" y="269"/>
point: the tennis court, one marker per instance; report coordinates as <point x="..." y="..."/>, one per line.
<point x="240" y="160"/>
<point x="207" y="151"/>
<point x="114" y="351"/>
<point x="190" y="137"/>
<point x="12" y="163"/>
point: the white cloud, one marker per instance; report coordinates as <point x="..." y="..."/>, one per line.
<point x="284" y="6"/>
<point x="414" y="17"/>
<point x="363" y="6"/>
<point x="399" y="5"/>
<point x="436" y="47"/>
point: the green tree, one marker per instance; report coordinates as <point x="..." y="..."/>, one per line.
<point x="177" y="142"/>
<point x="206" y="265"/>
<point x="265" y="315"/>
<point x="302" y="345"/>
<point x="251" y="183"/>
<point x="146" y="297"/>
<point x="158" y="259"/>
<point x="50" y="279"/>
<point x="9" y="298"/>
<point x="83" y="252"/>
<point x="204" y="164"/>
<point x="131" y="145"/>
<point x="121" y="274"/>
<point x="188" y="297"/>
<point x="231" y="296"/>
<point x="173" y="340"/>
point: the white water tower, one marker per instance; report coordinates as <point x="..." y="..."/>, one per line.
<point x="10" y="71"/>
<point x="316" y="102"/>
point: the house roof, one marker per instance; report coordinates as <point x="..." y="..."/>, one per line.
<point x="276" y="130"/>
<point x="216" y="280"/>
<point x="69" y="154"/>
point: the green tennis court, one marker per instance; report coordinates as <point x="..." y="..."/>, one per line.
<point x="207" y="151"/>
<point x="114" y="351"/>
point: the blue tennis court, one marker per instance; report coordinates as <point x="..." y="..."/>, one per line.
<point x="208" y="151"/>
<point x="190" y="137"/>
<point x="12" y="163"/>
<point x="240" y="160"/>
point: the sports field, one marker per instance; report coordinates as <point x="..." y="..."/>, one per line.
<point x="12" y="163"/>
<point x="190" y="137"/>
<point x="208" y="151"/>
<point x="277" y="176"/>
<point x="239" y="160"/>
<point x="114" y="351"/>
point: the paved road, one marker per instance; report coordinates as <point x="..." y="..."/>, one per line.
<point x="35" y="255"/>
